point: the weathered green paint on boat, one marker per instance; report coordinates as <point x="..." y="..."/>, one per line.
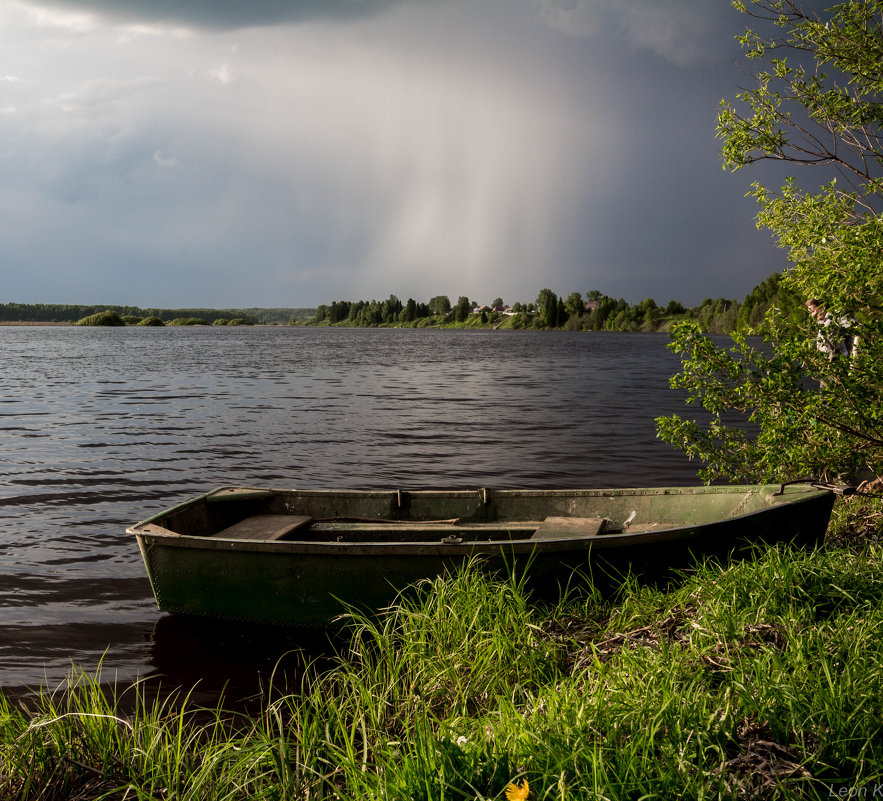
<point x="359" y="547"/>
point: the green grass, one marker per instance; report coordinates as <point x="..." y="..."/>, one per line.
<point x="758" y="681"/>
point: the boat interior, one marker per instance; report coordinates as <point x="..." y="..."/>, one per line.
<point x="270" y="527"/>
<point x="453" y="517"/>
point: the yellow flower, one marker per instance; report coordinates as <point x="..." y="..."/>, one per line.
<point x="518" y="792"/>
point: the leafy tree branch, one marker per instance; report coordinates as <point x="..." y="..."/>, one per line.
<point x="810" y="399"/>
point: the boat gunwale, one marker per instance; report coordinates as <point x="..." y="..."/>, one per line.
<point x="794" y="495"/>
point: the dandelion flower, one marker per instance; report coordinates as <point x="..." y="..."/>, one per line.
<point x="518" y="792"/>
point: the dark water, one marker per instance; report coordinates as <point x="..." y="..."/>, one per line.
<point x="100" y="428"/>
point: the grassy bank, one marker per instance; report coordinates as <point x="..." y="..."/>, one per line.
<point x="761" y="680"/>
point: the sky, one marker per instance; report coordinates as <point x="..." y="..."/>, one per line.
<point x="228" y="154"/>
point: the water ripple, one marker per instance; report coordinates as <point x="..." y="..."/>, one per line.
<point x="101" y="428"/>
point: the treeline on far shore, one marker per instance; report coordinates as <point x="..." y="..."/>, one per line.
<point x="592" y="312"/>
<point x="72" y="313"/>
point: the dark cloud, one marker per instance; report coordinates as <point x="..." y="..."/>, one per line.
<point x="446" y="147"/>
<point x="228" y="14"/>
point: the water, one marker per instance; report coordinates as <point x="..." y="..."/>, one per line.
<point x="100" y="428"/>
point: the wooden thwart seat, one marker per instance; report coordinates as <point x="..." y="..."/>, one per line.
<point x="557" y="527"/>
<point x="274" y="527"/>
<point x="265" y="527"/>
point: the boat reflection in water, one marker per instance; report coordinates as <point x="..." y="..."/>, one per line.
<point x="241" y="663"/>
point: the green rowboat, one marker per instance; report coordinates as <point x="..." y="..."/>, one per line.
<point x="300" y="557"/>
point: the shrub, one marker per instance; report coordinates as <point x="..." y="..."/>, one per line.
<point x="188" y="321"/>
<point x="107" y="317"/>
<point x="816" y="409"/>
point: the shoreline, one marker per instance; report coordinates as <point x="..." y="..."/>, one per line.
<point x="71" y="324"/>
<point x="527" y="690"/>
<point x="27" y="322"/>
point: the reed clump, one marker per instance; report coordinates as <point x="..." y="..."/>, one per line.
<point x="760" y="680"/>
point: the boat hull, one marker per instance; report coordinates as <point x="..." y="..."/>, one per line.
<point x="311" y="576"/>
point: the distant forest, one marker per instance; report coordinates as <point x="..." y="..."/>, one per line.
<point x="70" y="313"/>
<point x="592" y="312"/>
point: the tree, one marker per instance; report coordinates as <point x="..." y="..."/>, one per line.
<point x="547" y="308"/>
<point x="409" y="313"/>
<point x="560" y="313"/>
<point x="574" y="305"/>
<point x="440" y="305"/>
<point x="606" y="307"/>
<point x="391" y="309"/>
<point x="717" y="316"/>
<point x="462" y="310"/>
<point x="817" y="102"/>
<point x="340" y="310"/>
<point x="647" y="314"/>
<point x="767" y="293"/>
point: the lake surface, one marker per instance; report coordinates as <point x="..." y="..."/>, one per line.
<point x="100" y="428"/>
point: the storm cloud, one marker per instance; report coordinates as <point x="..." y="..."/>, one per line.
<point x="220" y="14"/>
<point x="266" y="154"/>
